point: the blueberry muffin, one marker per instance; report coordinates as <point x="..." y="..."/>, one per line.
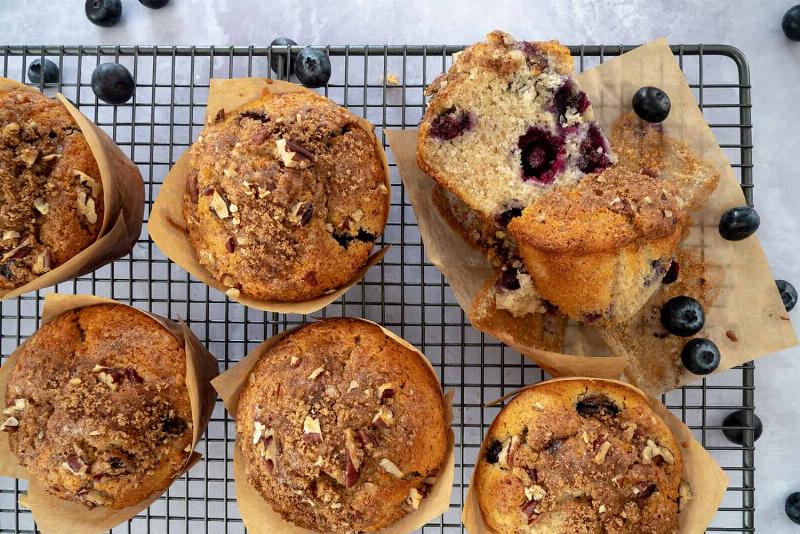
<point x="97" y="408"/>
<point x="342" y="429"/>
<point x="51" y="195"/>
<point x="286" y="197"/>
<point x="507" y="123"/>
<point x="579" y="456"/>
<point x="598" y="250"/>
<point x="644" y="147"/>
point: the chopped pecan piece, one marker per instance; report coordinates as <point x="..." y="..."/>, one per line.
<point x="9" y="425"/>
<point x="600" y="457"/>
<point x="529" y="510"/>
<point x="312" y="433"/>
<point x="352" y="459"/>
<point x="218" y="205"/>
<point x="17" y="406"/>
<point x="684" y="495"/>
<point x="414" y="498"/>
<point x="384" y="418"/>
<point x="391" y="468"/>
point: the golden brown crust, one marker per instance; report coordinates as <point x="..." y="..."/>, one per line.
<point x="643" y="147"/>
<point x="336" y="393"/>
<point x="579" y="456"/>
<point x="287" y="197"/>
<point x="603" y="213"/>
<point x="102" y="409"/>
<point x="51" y="197"/>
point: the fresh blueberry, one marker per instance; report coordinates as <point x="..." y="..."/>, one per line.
<point x="48" y="74"/>
<point x="700" y="356"/>
<point x="154" y="4"/>
<point x="792" y="507"/>
<point x="113" y="83"/>
<point x="451" y="123"/>
<point x="651" y="104"/>
<point x="682" y="316"/>
<point x="672" y="273"/>
<point x="739" y="223"/>
<point x="104" y="13"/>
<point x="788" y="293"/>
<point x="278" y="60"/>
<point x="791" y="23"/>
<point x="735" y="424"/>
<point x="312" y="67"/>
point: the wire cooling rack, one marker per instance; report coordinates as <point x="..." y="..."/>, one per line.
<point x="405" y="293"/>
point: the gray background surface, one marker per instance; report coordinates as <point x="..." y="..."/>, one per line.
<point x="753" y="26"/>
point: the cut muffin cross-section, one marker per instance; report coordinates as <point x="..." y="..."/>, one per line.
<point x="507" y="123"/>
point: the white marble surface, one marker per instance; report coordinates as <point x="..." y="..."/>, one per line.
<point x="751" y="25"/>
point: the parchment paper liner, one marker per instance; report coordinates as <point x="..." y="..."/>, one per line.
<point x="707" y="479"/>
<point x="167" y="226"/>
<point x="749" y="303"/>
<point x="58" y="516"/>
<point x="257" y="514"/>
<point x="123" y="199"/>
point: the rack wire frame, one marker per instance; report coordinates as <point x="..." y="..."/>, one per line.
<point x="405" y="293"/>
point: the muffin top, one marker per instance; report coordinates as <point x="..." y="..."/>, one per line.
<point x="51" y="195"/>
<point x="603" y="212"/>
<point x="579" y="456"/>
<point x="97" y="406"/>
<point x="341" y="428"/>
<point x="286" y="197"/>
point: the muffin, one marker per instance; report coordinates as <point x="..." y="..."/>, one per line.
<point x="644" y="147"/>
<point x="51" y="195"/>
<point x="341" y="428"/>
<point x="286" y="197"/>
<point x="98" y="411"/>
<point x="579" y="456"/>
<point x="508" y="123"/>
<point x="598" y="250"/>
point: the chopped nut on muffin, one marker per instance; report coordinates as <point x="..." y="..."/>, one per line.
<point x="286" y="197"/>
<point x="341" y="428"/>
<point x="97" y="407"/>
<point x="580" y="456"/>
<point x="51" y="195"/>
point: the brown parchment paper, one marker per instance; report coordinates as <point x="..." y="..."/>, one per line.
<point x="259" y="517"/>
<point x="705" y="477"/>
<point x="748" y="304"/>
<point x="167" y="226"/>
<point x="58" y="516"/>
<point x="123" y="201"/>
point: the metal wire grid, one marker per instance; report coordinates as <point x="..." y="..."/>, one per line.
<point x="405" y="293"/>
